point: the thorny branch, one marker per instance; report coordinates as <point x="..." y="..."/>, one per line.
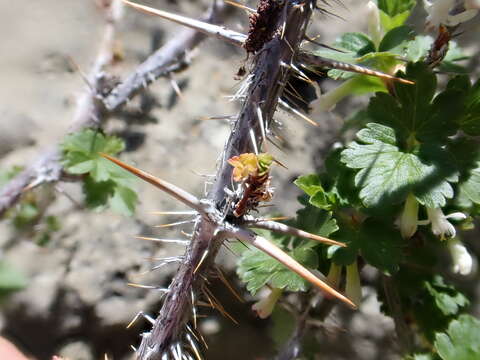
<point x="291" y="350"/>
<point x="309" y="309"/>
<point x="267" y="80"/>
<point x="405" y="337"/>
<point x="171" y="57"/>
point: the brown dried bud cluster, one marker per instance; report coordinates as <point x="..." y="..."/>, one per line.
<point x="263" y="24"/>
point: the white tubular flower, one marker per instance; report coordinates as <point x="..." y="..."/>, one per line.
<point x="440" y="224"/>
<point x="334" y="274"/>
<point x="265" y="306"/>
<point x="409" y="217"/>
<point x="439" y="12"/>
<point x="353" y="288"/>
<point x="462" y="260"/>
<point x="374" y="25"/>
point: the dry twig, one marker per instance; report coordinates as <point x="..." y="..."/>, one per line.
<point x="169" y="58"/>
<point x="47" y="167"/>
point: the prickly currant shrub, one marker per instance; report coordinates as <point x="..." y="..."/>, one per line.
<point x="396" y="198"/>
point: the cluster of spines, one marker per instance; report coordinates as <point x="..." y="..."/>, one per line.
<point x="263" y="27"/>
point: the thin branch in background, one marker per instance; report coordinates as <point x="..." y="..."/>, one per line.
<point x="90" y="106"/>
<point x="169" y="58"/>
<point x="404" y="334"/>
<point x="220" y="32"/>
<point x="292" y="349"/>
<point x="320" y="311"/>
<point x="47" y="167"/>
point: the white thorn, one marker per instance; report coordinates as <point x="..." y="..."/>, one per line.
<point x="296" y="112"/>
<point x="145" y="316"/>
<point x="254" y="141"/>
<point x="262" y="125"/>
<point x="167" y="241"/>
<point x="186" y="212"/>
<point x="220" y="32"/>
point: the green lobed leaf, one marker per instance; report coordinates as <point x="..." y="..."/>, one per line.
<point x="383" y="61"/>
<point x="466" y="153"/>
<point x="394" y="13"/>
<point x="106" y="182"/>
<point x="81" y="152"/>
<point x="470" y="122"/>
<point x="391" y="22"/>
<point x="471" y="187"/>
<point x="123" y="201"/>
<point x="256" y="269"/>
<point x="461" y="340"/>
<point x="447" y="299"/>
<point x="426" y="299"/>
<point x="352" y="46"/>
<point x="381" y="245"/>
<point x="377" y="241"/>
<point x="414" y="113"/>
<point x="310" y="184"/>
<point x="349" y="235"/>
<point x="338" y="179"/>
<point x="315" y="221"/>
<point x="386" y="175"/>
<point x="396" y="40"/>
<point x="97" y="193"/>
<point x="342" y="189"/>
<point x="356" y="43"/>
<point x="89" y="141"/>
<point x="395" y="7"/>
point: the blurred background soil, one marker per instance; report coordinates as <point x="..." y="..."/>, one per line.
<point x="77" y="302"/>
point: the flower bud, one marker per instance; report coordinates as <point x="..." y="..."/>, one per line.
<point x="265" y="306"/>
<point x="334" y="274"/>
<point x="409" y="217"/>
<point x="373" y="21"/>
<point x="462" y="260"/>
<point x="440" y="225"/>
<point x="353" y="288"/>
